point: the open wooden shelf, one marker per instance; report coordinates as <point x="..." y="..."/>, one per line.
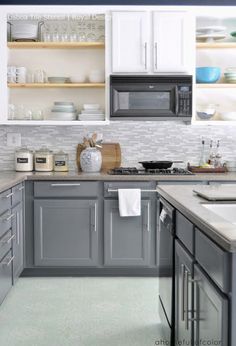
<point x="215" y="85"/>
<point x="55" y="85"/>
<point x="55" y="45"/>
<point x="216" y="45"/>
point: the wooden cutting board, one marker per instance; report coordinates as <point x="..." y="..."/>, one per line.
<point x="111" y="155"/>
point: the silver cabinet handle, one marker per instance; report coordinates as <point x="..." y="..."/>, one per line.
<point x="8" y="262"/>
<point x="186" y="300"/>
<point x="156" y="55"/>
<point x="8" y="240"/>
<point x="95" y="218"/>
<point x="7" y="218"/>
<point x="9" y="195"/>
<point x="21" y="188"/>
<point x="148" y="218"/>
<point x="145" y="55"/>
<point x="182" y="291"/>
<point x="65" y="185"/>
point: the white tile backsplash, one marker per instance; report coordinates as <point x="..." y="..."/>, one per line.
<point x="139" y="140"/>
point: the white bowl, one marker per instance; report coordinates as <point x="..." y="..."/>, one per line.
<point x="228" y="116"/>
<point x="97" y="76"/>
<point x="79" y="78"/>
<point x="91" y="106"/>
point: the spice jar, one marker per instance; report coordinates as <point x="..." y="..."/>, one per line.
<point x="24" y="160"/>
<point x="43" y="160"/>
<point x="61" y="161"/>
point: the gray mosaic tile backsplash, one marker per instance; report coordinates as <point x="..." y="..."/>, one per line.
<point x="139" y="140"/>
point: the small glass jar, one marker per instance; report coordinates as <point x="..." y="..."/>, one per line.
<point x="61" y="162"/>
<point x="24" y="160"/>
<point x="43" y="160"/>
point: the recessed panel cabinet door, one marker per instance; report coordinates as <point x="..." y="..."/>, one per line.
<point x="211" y="307"/>
<point x="18" y="241"/>
<point x="173" y="35"/>
<point x="129" y="42"/>
<point x="126" y="239"/>
<point x="65" y="232"/>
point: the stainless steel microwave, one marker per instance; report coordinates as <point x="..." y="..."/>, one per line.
<point x="150" y="97"/>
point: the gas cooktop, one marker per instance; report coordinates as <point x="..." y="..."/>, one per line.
<point x="136" y="171"/>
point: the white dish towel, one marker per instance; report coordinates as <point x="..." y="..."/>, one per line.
<point x="129" y="202"/>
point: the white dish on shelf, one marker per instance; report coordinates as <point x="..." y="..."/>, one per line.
<point x="62" y="116"/>
<point x="91" y="111"/>
<point x="210" y="29"/>
<point x="92" y="106"/>
<point x="209" y="37"/>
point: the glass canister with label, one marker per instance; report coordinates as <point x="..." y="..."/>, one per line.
<point x="43" y="160"/>
<point x="24" y="160"/>
<point x="61" y="162"/>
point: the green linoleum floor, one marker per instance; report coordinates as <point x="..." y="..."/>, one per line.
<point x="81" y="312"/>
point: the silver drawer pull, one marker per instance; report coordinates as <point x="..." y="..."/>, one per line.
<point x="9" y="195"/>
<point x="8" y="240"/>
<point x="65" y="185"/>
<point x="9" y="262"/>
<point x="21" y="188"/>
<point x="9" y="217"/>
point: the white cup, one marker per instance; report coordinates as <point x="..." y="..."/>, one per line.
<point x="20" y="70"/>
<point x="21" y="78"/>
<point x="11" y="69"/>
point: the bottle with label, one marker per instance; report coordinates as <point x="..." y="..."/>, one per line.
<point x="218" y="156"/>
<point x="211" y="157"/>
<point x="61" y="162"/>
<point x="202" y="160"/>
<point x="43" y="160"/>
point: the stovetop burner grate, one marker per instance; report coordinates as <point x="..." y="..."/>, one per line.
<point x="136" y="171"/>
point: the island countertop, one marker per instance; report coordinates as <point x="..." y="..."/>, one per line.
<point x="190" y="205"/>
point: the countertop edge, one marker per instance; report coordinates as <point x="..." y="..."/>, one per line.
<point x="199" y="223"/>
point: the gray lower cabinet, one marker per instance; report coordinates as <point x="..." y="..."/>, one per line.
<point x="18" y="240"/>
<point x="126" y="239"/>
<point x="65" y="232"/>
<point x="5" y="274"/>
<point x="183" y="295"/>
<point x="211" y="312"/>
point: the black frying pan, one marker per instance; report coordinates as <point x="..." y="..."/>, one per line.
<point x="158" y="164"/>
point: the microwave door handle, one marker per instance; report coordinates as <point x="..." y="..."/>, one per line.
<point x="176" y="101"/>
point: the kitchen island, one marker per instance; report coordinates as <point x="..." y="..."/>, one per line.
<point x="204" y="267"/>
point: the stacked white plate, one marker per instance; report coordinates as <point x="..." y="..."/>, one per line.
<point x="91" y="112"/>
<point x="230" y="75"/>
<point x="210" y="33"/>
<point x="24" y="31"/>
<point x="63" y="111"/>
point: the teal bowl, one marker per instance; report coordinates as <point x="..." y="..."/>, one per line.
<point x="207" y="74"/>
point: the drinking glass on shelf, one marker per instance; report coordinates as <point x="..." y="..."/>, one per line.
<point x="40" y="76"/>
<point x="82" y="37"/>
<point x="11" y="111"/>
<point x="30" y="76"/>
<point x="37" y="114"/>
<point x="91" y="37"/>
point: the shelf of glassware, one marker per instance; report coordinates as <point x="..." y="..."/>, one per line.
<point x="54" y="45"/>
<point x="53" y="122"/>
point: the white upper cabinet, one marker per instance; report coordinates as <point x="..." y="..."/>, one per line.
<point x="153" y="42"/>
<point x="130" y="46"/>
<point x="173" y="41"/>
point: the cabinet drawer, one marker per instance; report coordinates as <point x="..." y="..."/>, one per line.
<point x="5" y="243"/>
<point x="17" y="194"/>
<point x="185" y="231"/>
<point x="5" y="222"/>
<point x="213" y="259"/>
<point x="126" y="185"/>
<point x="5" y="201"/>
<point x="66" y="189"/>
<point x="5" y="275"/>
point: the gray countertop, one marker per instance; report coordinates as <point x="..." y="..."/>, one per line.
<point x="189" y="204"/>
<point x="11" y="178"/>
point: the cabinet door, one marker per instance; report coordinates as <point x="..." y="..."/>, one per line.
<point x="183" y="295"/>
<point x="129" y="42"/>
<point x="127" y="239"/>
<point x="211" y="306"/>
<point x="173" y="35"/>
<point x="65" y="232"/>
<point x="18" y="242"/>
